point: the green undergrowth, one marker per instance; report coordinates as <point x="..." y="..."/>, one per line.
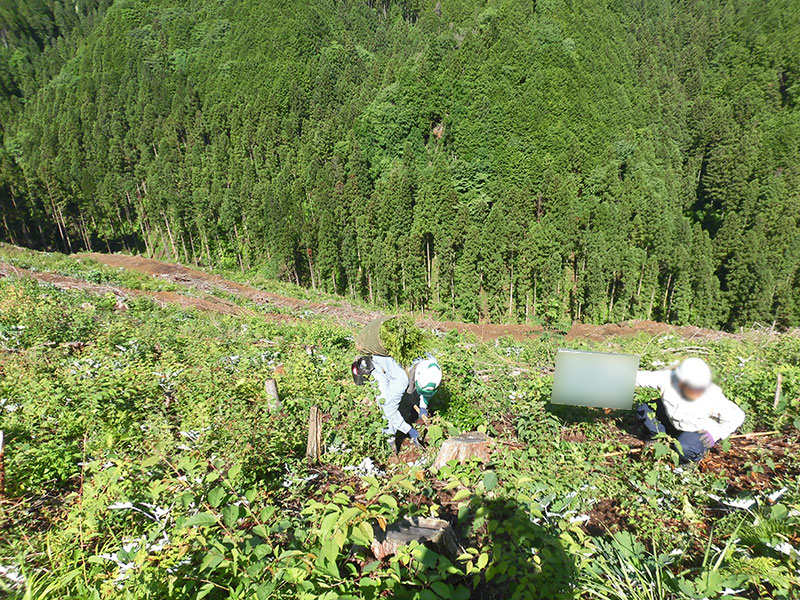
<point x="92" y="271"/>
<point x="264" y="278"/>
<point x="145" y="459"/>
<point x="84" y="268"/>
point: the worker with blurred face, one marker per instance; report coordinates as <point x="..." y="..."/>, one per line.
<point x="691" y="409"/>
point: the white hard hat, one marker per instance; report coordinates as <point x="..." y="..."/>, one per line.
<point x="427" y="377"/>
<point x="695" y="373"/>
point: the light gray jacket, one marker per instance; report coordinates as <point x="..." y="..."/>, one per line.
<point x="392" y="383"/>
<point x="711" y="412"/>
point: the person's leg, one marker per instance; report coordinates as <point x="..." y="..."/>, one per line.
<point x="661" y="415"/>
<point x="410" y="415"/>
<point x="408" y="408"/>
<point x="691" y="446"/>
<point x="648" y="419"/>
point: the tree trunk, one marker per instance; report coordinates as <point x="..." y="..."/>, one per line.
<point x="191" y="245"/>
<point x="511" y="293"/>
<point x="204" y="237"/>
<point x="26" y="233"/>
<point x="142" y="222"/>
<point x="669" y="306"/>
<point x="311" y="269"/>
<point x="428" y="254"/>
<point x="464" y="447"/>
<point x="87" y="240"/>
<point x="238" y="248"/>
<point x="436" y="532"/>
<point x="171" y="239"/>
<point x="613" y="289"/>
<point x="639" y="287"/>
<point x="271" y="387"/>
<point x="59" y="221"/>
<point x="314" y="446"/>
<point x="8" y="231"/>
<point x="527" y="306"/>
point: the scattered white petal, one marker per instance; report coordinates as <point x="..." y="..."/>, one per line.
<point x="774" y="496"/>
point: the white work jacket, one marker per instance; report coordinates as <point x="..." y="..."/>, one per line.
<point x="392" y="382"/>
<point x="711" y="412"/>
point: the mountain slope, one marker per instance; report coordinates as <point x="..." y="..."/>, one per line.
<point x="553" y="161"/>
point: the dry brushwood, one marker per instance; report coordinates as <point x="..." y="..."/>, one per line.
<point x="738" y="436"/>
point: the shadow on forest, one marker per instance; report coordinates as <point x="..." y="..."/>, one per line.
<point x="529" y="560"/>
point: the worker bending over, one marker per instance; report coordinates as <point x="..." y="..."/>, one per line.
<point x="691" y="408"/>
<point x="403" y="396"/>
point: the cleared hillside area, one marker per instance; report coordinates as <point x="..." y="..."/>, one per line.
<point x="144" y="456"/>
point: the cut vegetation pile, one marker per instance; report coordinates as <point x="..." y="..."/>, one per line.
<point x="144" y="457"/>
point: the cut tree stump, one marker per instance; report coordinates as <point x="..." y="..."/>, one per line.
<point x="314" y="447"/>
<point x="435" y="532"/>
<point x="271" y="387"/>
<point x="464" y="447"/>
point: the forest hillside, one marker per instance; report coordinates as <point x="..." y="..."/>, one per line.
<point x="504" y="161"/>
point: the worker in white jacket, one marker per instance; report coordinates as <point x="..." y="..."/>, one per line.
<point x="691" y="408"/>
<point x="403" y="396"/>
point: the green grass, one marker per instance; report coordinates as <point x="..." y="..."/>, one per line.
<point x="148" y="463"/>
<point x="82" y="268"/>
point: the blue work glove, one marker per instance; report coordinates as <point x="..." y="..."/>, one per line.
<point x="414" y="435"/>
<point x="707" y="439"/>
<point x="423" y="411"/>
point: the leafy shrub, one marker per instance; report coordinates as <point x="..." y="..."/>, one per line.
<point x="403" y="340"/>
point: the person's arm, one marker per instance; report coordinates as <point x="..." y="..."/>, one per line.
<point x="412" y="384"/>
<point x="653" y="379"/>
<point x="392" y="382"/>
<point x="726" y="417"/>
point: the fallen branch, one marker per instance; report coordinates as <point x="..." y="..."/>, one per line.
<point x="695" y="349"/>
<point x="515" y="445"/>
<point x="743" y="436"/>
<point x="738" y="436"/>
<point x="2" y="469"/>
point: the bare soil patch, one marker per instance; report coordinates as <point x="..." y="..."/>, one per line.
<point x="605" y="517"/>
<point x="599" y="333"/>
<point x="347" y="313"/>
<point x="209" y="304"/>
<point x="206" y="282"/>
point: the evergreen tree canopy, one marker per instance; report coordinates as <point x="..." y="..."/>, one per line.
<point x="489" y="159"/>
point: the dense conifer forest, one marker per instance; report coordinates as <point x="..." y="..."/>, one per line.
<point x="540" y="161"/>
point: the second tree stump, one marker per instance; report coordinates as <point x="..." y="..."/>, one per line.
<point x="464" y="447"/>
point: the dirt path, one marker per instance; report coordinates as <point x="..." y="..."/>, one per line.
<point x="598" y="333"/>
<point x="209" y="304"/>
<point x="207" y="282"/>
<point x="349" y="314"/>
